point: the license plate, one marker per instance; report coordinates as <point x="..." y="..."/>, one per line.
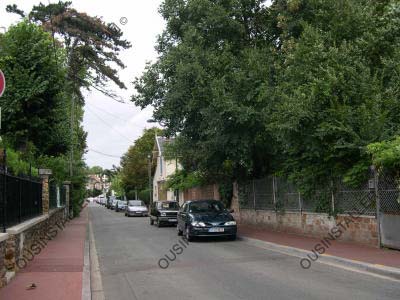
<point x="138" y="212"/>
<point x="172" y="220"/>
<point x="216" y="229"/>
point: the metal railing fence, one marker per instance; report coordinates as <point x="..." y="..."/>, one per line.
<point x="20" y="199"/>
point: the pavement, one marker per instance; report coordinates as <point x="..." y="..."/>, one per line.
<point x="130" y="249"/>
<point x="351" y="251"/>
<point x="57" y="270"/>
<point x="126" y="254"/>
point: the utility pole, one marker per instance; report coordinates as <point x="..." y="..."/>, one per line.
<point x="71" y="153"/>
<point x="150" y="185"/>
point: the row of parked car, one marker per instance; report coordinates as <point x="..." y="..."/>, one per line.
<point x="198" y="218"/>
<point x="129" y="207"/>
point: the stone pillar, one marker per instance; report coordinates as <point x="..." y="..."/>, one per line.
<point x="235" y="201"/>
<point x="45" y="174"/>
<point x="67" y="185"/>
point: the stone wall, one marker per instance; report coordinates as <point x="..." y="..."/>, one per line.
<point x="22" y="242"/>
<point x="360" y="229"/>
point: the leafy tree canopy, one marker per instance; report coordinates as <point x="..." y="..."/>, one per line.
<point x="92" y="46"/>
<point x="298" y="88"/>
<point x="134" y="163"/>
<point x="33" y="110"/>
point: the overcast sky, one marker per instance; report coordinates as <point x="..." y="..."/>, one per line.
<point x="112" y="127"/>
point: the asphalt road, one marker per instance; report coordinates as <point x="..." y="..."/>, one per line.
<point x="129" y="250"/>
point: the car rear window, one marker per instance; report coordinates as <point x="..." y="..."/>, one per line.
<point x="168" y="205"/>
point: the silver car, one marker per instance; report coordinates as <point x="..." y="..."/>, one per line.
<point x="120" y="206"/>
<point x="136" y="208"/>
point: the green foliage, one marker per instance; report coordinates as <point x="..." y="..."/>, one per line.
<point x="92" y="45"/>
<point x="17" y="165"/>
<point x="95" y="170"/>
<point x="144" y="195"/>
<point x="79" y="51"/>
<point x="33" y="111"/>
<point x="134" y="163"/>
<point x="93" y="193"/>
<point x="226" y="193"/>
<point x="116" y="185"/>
<point x="298" y="88"/>
<point x="182" y="180"/>
<point x="386" y="153"/>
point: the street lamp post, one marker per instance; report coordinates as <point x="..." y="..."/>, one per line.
<point x="150" y="184"/>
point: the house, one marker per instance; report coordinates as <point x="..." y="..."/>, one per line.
<point x="165" y="167"/>
<point x="98" y="182"/>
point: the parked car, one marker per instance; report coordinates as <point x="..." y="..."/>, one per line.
<point x="114" y="204"/>
<point x="120" y="205"/>
<point x="109" y="201"/>
<point x="206" y="218"/>
<point x="164" y="212"/>
<point x="136" y="208"/>
<point x="103" y="201"/>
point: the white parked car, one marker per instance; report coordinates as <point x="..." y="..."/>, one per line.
<point x="136" y="208"/>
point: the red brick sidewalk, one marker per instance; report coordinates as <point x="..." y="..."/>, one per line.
<point x="57" y="270"/>
<point x="346" y="250"/>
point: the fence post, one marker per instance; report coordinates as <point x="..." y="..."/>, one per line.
<point x="273" y="190"/>
<point x="67" y="196"/>
<point x="300" y="206"/>
<point x="332" y="197"/>
<point x="378" y="204"/>
<point x="4" y="195"/>
<point x="254" y="196"/>
<point x="20" y="200"/>
<point x="44" y="175"/>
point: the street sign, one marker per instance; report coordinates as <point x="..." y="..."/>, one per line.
<point x="2" y="83"/>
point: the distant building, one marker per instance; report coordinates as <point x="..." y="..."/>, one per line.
<point x="98" y="182"/>
<point x="165" y="167"/>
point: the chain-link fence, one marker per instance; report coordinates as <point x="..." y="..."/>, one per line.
<point x="277" y="193"/>
<point x="389" y="193"/>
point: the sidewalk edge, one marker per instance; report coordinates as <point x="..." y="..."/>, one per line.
<point x="86" y="285"/>
<point x="95" y="275"/>
<point x="336" y="261"/>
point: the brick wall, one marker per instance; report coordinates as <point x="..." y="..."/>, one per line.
<point x="362" y="229"/>
<point x="202" y="193"/>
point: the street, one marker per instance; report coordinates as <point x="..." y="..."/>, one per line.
<point x="129" y="250"/>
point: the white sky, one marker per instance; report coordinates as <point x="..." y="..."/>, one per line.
<point x="112" y="127"/>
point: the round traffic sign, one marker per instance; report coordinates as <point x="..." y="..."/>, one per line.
<point x="2" y="83"/>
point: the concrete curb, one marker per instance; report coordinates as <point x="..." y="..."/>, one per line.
<point x="95" y="275"/>
<point x="86" y="287"/>
<point x="344" y="263"/>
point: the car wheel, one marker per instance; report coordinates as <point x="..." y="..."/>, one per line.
<point x="151" y="221"/>
<point x="187" y="235"/>
<point x="158" y="223"/>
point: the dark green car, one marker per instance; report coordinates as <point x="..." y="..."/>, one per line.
<point x="206" y="218"/>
